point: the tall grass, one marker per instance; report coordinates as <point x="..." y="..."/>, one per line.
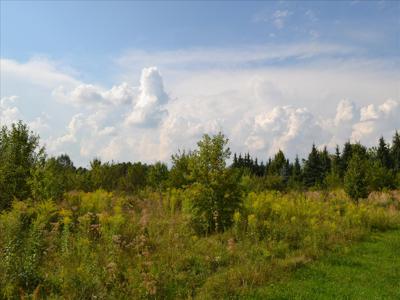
<point x="103" y="246"/>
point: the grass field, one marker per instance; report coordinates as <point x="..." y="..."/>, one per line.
<point x="368" y="270"/>
<point x="102" y="245"/>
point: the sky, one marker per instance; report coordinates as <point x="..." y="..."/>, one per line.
<point x="130" y="81"/>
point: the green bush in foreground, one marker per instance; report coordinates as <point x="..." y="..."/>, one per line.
<point x="101" y="245"/>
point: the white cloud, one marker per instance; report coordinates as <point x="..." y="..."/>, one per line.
<point x="39" y="71"/>
<point x="92" y="95"/>
<point x="228" y="57"/>
<point x="9" y="112"/>
<point x="121" y="94"/>
<point x="182" y="133"/>
<point x="345" y="112"/>
<point x="279" y="18"/>
<point x="73" y="128"/>
<point x="149" y="107"/>
<point x="368" y="113"/>
<point x="40" y="124"/>
<point x="287" y="128"/>
<point x="276" y="18"/>
<point x="231" y="99"/>
<point x="260" y="104"/>
<point x="377" y="120"/>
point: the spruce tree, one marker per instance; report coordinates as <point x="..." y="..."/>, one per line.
<point x="296" y="174"/>
<point x="313" y="168"/>
<point x="383" y="154"/>
<point x="235" y="161"/>
<point x="325" y="162"/>
<point x="395" y="152"/>
<point x="278" y="165"/>
<point x="336" y="161"/>
<point x="345" y="158"/>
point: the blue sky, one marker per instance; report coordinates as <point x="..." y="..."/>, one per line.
<point x="250" y="65"/>
<point x="86" y="33"/>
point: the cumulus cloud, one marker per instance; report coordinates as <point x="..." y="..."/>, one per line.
<point x="261" y="109"/>
<point x="368" y="113"/>
<point x="40" y="124"/>
<point x="149" y="107"/>
<point x="345" y="112"/>
<point x="71" y="136"/>
<point x="107" y="128"/>
<point x="148" y="100"/>
<point x="262" y="133"/>
<point x="377" y="120"/>
<point x="9" y="112"/>
<point x="288" y="128"/>
<point x="92" y="95"/>
<point x="182" y="133"/>
<point x="341" y="126"/>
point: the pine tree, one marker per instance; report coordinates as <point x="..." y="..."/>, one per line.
<point x="240" y="161"/>
<point x="268" y="166"/>
<point x="261" y="169"/>
<point x="345" y="158"/>
<point x="395" y="152"/>
<point x="296" y="173"/>
<point x="336" y="161"/>
<point x="325" y="162"/>
<point x="235" y="161"/>
<point x="383" y="154"/>
<point x="313" y="172"/>
<point x="278" y="164"/>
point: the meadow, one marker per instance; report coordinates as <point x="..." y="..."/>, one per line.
<point x="203" y="228"/>
<point x="105" y="245"/>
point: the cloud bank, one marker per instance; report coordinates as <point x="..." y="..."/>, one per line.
<point x="262" y="108"/>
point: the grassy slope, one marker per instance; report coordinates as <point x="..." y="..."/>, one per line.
<point x="369" y="270"/>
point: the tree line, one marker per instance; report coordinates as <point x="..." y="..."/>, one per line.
<point x="377" y="167"/>
<point x="26" y="171"/>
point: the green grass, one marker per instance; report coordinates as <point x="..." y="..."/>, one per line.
<point x="368" y="270"/>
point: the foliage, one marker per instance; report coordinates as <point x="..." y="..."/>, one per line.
<point x="52" y="178"/>
<point x="19" y="152"/>
<point x="201" y="229"/>
<point x="158" y="175"/>
<point x="101" y="245"/>
<point x="316" y="168"/>
<point x="215" y="193"/>
<point x="395" y="152"/>
<point x="355" y="179"/>
<point x="179" y="173"/>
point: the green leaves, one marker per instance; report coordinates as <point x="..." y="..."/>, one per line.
<point x="355" y="180"/>
<point x="19" y="152"/>
<point x="216" y="194"/>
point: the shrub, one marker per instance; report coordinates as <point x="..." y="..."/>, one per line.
<point x="216" y="194"/>
<point x="355" y="179"/>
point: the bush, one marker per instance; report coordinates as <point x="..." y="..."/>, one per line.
<point x="216" y="194"/>
<point x="355" y="179"/>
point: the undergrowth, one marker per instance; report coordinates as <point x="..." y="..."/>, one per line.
<point x="102" y="245"/>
